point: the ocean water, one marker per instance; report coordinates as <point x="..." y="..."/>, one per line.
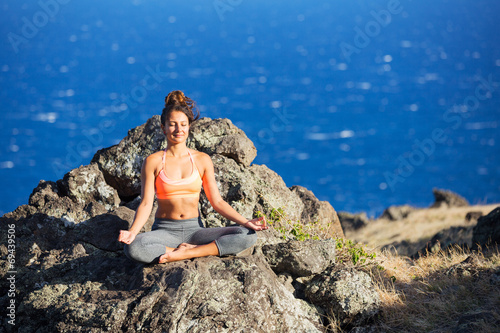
<point x="366" y="103"/>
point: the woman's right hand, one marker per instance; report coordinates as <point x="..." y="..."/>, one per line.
<point x="126" y="237"/>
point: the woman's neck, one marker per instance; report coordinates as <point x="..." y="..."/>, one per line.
<point x="176" y="150"/>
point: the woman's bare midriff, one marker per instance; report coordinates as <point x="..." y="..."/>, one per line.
<point x="177" y="208"/>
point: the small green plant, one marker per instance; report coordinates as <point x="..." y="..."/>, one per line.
<point x="348" y="250"/>
<point x="288" y="229"/>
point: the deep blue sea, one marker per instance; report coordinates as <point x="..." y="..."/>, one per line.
<point x="366" y="103"/>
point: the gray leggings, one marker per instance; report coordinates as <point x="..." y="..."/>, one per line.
<point x="149" y="246"/>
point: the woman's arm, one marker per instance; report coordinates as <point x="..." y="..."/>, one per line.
<point x="147" y="199"/>
<point x="221" y="206"/>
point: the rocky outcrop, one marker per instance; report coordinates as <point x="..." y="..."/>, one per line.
<point x="204" y="295"/>
<point x="81" y="194"/>
<point x="320" y="212"/>
<point x="220" y="136"/>
<point x="352" y="222"/>
<point x="72" y="275"/>
<point x="346" y="294"/>
<point x="448" y="199"/>
<point x="473" y="216"/>
<point x="396" y="213"/>
<point x="76" y="278"/>
<point x="487" y="229"/>
<point x="300" y="258"/>
<point x="461" y="236"/>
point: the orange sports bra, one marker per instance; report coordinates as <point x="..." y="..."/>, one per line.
<point x="167" y="188"/>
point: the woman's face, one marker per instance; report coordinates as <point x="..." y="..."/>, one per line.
<point x="176" y="127"/>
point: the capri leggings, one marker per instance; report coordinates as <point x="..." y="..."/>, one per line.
<point x="149" y="246"/>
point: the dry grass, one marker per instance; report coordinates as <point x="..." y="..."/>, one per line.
<point x="434" y="292"/>
<point x="420" y="225"/>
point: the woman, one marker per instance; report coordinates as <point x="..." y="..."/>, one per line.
<point x="176" y="176"/>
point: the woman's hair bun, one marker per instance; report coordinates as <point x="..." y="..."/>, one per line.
<point x="177" y="101"/>
<point x="175" y="97"/>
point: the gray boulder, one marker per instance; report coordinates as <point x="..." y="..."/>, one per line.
<point x="76" y="277"/>
<point x="461" y="236"/>
<point x="448" y="198"/>
<point x="320" y="212"/>
<point x="473" y="216"/>
<point x="86" y="184"/>
<point x="487" y="229"/>
<point x="346" y="293"/>
<point x="80" y="195"/>
<point x="300" y="258"/>
<point x="220" y="136"/>
<point x="352" y="222"/>
<point x="396" y="213"/>
<point x="84" y="286"/>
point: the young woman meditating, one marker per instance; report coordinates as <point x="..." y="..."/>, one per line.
<point x="176" y="176"/>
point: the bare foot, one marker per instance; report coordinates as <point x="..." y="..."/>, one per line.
<point x="187" y="246"/>
<point x="175" y="255"/>
<point x="188" y="251"/>
<point x="164" y="258"/>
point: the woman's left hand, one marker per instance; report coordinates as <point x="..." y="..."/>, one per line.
<point x="257" y="224"/>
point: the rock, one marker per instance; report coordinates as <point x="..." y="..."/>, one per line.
<point x="300" y="258"/>
<point x="365" y="329"/>
<point x="472" y="217"/>
<point x="448" y="198"/>
<point x="487" y="229"/>
<point x="20" y="212"/>
<point x="48" y="199"/>
<point x="202" y="295"/>
<point x="352" y="222"/>
<point x="461" y="236"/>
<point x="74" y="277"/>
<point x="396" y="213"/>
<point x="102" y="231"/>
<point x="404" y="248"/>
<point x="319" y="212"/>
<point x="346" y="293"/>
<point x="79" y="196"/>
<point x="220" y="136"/>
<point x="86" y="184"/>
<point x="272" y="192"/>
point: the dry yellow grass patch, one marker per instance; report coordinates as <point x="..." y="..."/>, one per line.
<point x="435" y="292"/>
<point x="421" y="224"/>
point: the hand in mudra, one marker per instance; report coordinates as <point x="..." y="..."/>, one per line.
<point x="126" y="237"/>
<point x="257" y="224"/>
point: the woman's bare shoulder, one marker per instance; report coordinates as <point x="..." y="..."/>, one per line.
<point x="155" y="156"/>
<point x="153" y="159"/>
<point x="200" y="156"/>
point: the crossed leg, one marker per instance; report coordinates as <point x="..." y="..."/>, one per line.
<point x="188" y="251"/>
<point x="202" y="243"/>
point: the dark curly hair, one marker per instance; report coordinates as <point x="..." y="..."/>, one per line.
<point x="177" y="101"/>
